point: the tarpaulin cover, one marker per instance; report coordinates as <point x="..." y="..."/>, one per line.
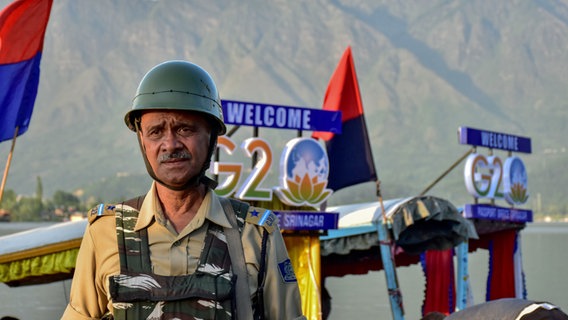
<point x="418" y="224"/>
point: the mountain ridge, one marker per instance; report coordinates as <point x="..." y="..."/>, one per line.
<point x="424" y="69"/>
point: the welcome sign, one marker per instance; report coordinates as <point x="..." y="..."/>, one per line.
<point x="489" y="177"/>
<point x="303" y="168"/>
<point x="280" y="117"/>
<point x="494" y="140"/>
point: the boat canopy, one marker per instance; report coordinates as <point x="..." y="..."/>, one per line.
<point x="418" y="224"/>
<point x="40" y="255"/>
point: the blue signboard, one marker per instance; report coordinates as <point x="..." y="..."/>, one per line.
<point x="280" y="117"/>
<point x="307" y="220"/>
<point x="489" y="212"/>
<point x="494" y="140"/>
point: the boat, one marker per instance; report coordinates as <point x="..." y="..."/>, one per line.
<point x="40" y="255"/>
<point x="417" y="226"/>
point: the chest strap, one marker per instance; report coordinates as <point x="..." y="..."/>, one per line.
<point x="236" y="252"/>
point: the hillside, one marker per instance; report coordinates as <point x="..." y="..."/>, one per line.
<point x="424" y="68"/>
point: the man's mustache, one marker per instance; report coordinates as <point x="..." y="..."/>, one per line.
<point x="174" y="155"/>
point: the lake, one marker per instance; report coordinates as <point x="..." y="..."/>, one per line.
<point x="357" y="297"/>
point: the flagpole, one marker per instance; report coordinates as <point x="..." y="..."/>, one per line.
<point x="387" y="256"/>
<point x="8" y="163"/>
<point x="465" y="155"/>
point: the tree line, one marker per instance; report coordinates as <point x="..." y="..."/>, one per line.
<point x="60" y="207"/>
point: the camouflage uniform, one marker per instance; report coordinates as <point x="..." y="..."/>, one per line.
<point x="173" y="264"/>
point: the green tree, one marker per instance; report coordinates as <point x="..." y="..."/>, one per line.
<point x="62" y="199"/>
<point x="27" y="209"/>
<point x="9" y="200"/>
<point x="39" y="189"/>
<point x="39" y="195"/>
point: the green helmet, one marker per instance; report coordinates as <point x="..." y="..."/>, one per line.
<point x="177" y="85"/>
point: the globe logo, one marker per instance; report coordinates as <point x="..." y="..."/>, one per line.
<point x="304" y="168"/>
<point x="515" y="181"/>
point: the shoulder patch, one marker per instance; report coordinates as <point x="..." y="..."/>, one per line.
<point x="287" y="271"/>
<point x="100" y="211"/>
<point x="262" y="217"/>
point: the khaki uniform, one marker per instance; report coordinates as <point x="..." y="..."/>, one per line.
<point x="176" y="254"/>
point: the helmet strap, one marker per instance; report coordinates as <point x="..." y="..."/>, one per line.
<point x="212" y="145"/>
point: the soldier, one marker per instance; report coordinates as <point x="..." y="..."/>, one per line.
<point x="181" y="251"/>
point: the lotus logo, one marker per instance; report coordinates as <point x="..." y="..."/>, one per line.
<point x="515" y="181"/>
<point x="304" y="168"/>
<point x="518" y="194"/>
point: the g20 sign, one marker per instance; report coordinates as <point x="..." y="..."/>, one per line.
<point x="304" y="169"/>
<point x="490" y="177"/>
<point x="304" y="165"/>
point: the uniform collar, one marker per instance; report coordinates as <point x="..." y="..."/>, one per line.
<point x="211" y="209"/>
<point x="217" y="214"/>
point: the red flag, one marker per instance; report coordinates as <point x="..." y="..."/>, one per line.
<point x="22" y="30"/>
<point x="350" y="157"/>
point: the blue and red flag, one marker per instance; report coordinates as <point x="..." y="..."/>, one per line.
<point x="22" y="30"/>
<point x="350" y="157"/>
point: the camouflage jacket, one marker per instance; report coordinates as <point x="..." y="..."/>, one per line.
<point x="138" y="293"/>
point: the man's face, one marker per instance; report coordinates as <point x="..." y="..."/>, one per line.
<point x="176" y="144"/>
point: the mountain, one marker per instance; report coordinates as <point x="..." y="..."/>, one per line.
<point x="425" y="68"/>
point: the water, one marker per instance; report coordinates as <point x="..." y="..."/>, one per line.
<point x="545" y="259"/>
<point x="545" y="262"/>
